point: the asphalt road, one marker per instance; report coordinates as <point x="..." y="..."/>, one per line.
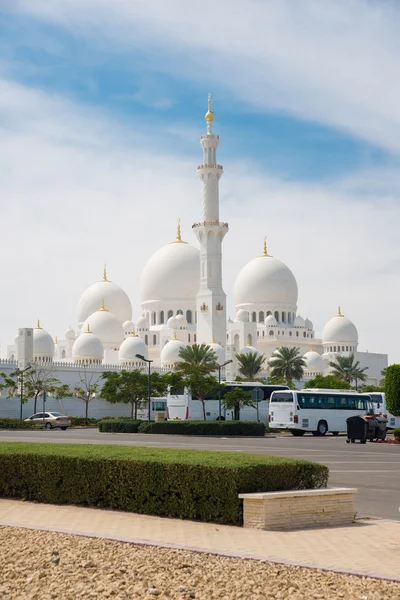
<point x="372" y="468"/>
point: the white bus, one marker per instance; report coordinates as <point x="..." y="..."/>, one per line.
<point x="316" y="410"/>
<point x="379" y="402"/>
<point x="183" y="407"/>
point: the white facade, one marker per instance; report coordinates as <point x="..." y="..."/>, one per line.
<point x="183" y="302"/>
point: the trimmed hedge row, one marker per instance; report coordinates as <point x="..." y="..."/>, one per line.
<point x="396" y="432"/>
<point x="81" y="421"/>
<point x="166" y="482"/>
<point x="219" y="428"/>
<point x="15" y="424"/>
<point x="119" y="426"/>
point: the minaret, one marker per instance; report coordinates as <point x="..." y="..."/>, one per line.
<point x="211" y="298"/>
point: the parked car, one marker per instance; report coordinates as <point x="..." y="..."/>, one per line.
<point x="51" y="420"/>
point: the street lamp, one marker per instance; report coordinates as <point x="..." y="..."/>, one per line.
<point x="219" y="367"/>
<point x="21" y="372"/>
<point x="149" y="363"/>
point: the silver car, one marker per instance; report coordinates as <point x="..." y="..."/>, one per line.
<point x="50" y="420"/>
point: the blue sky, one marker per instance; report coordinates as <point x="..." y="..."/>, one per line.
<point x="101" y="108"/>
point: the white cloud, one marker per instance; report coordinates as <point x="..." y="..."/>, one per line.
<point x="331" y="62"/>
<point x="79" y="188"/>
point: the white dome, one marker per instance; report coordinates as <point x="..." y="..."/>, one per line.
<point x="130" y="347"/>
<point x="242" y="316"/>
<point x="142" y="323"/>
<point x="181" y="320"/>
<point x="114" y="298"/>
<point x="170" y="352"/>
<point x="270" y="321"/>
<point x="70" y="334"/>
<point x="265" y="280"/>
<point x="308" y="324"/>
<point x="43" y="343"/>
<point x="128" y="327"/>
<point x="299" y="322"/>
<point x="172" y="273"/>
<point x="248" y="350"/>
<point x="219" y="351"/>
<point x="340" y="329"/>
<point x="87" y="348"/>
<point x="314" y="362"/>
<point x="173" y="323"/>
<point x="107" y="327"/>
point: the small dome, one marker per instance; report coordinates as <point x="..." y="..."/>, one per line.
<point x="87" y="348"/>
<point x="314" y="362"/>
<point x="130" y="347"/>
<point x="114" y="297"/>
<point x="248" y="350"/>
<point x="106" y="326"/>
<point x="170" y="352"/>
<point x="299" y="321"/>
<point x="43" y="343"/>
<point x="142" y="324"/>
<point x="70" y="334"/>
<point x="308" y="324"/>
<point x="128" y="327"/>
<point x="173" y="323"/>
<point x="340" y="329"/>
<point x="182" y="323"/>
<point x="270" y="321"/>
<point x="242" y="316"/>
<point x="219" y="351"/>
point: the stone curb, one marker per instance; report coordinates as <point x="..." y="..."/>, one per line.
<point x="242" y="555"/>
<point x="170" y="435"/>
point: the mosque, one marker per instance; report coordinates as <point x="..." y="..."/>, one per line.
<point x="183" y="302"/>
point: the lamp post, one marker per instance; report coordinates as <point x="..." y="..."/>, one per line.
<point x="149" y="382"/>
<point x="219" y="367"/>
<point x="21" y="372"/>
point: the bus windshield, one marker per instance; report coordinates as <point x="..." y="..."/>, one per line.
<point x="282" y="397"/>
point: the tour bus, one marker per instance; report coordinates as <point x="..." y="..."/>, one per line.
<point x="379" y="402"/>
<point x="316" y="410"/>
<point x="183" y="407"/>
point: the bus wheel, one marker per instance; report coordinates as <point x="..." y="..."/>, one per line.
<point x="335" y="433"/>
<point x="322" y="428"/>
<point x="297" y="432"/>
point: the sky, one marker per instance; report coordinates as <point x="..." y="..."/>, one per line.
<point x="102" y="105"/>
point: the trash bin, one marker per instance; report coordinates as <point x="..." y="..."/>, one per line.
<point x="365" y="427"/>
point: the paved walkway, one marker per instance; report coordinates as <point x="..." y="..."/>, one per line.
<point x="367" y="548"/>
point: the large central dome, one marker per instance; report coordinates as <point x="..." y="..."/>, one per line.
<point x="265" y="280"/>
<point x="172" y="273"/>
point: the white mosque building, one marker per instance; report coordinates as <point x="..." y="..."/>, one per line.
<point x="183" y="302"/>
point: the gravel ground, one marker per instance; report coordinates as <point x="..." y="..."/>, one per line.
<point x="44" y="565"/>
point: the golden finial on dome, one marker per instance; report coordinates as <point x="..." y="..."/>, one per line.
<point x="133" y="332"/>
<point x="209" y="114"/>
<point x="38" y="324"/>
<point x="339" y="314"/>
<point x="56" y="340"/>
<point x="213" y="340"/>
<point x="265" y="251"/>
<point x="88" y="329"/>
<point x="174" y="336"/>
<point x="178" y="239"/>
<point x="102" y="307"/>
<point x="105" y="273"/>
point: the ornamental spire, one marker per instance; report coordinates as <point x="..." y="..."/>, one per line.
<point x="339" y="314"/>
<point x="38" y="324"/>
<point x="105" y="273"/>
<point x="209" y="116"/>
<point x="265" y="251"/>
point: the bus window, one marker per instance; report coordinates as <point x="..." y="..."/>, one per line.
<point x="282" y="397"/>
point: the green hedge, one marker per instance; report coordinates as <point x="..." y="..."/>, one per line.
<point x="392" y="389"/>
<point x="15" y="424"/>
<point x="219" y="428"/>
<point x="396" y="432"/>
<point x="166" y="482"/>
<point x="119" y="426"/>
<point x="81" y="421"/>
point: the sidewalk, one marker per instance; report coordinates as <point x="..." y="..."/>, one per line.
<point x="366" y="548"/>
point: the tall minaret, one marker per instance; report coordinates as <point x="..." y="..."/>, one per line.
<point x="211" y="298"/>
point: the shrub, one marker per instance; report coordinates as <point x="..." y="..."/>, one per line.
<point x="119" y="426"/>
<point x="396" y="432"/>
<point x="15" y="424"/>
<point x="221" y="428"/>
<point x="81" y="421"/>
<point x="166" y="482"/>
<point x="392" y="389"/>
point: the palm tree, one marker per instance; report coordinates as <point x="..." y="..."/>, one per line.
<point x="250" y="365"/>
<point x="198" y="357"/>
<point x="346" y="369"/>
<point x="287" y="363"/>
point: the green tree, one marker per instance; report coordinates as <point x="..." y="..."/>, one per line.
<point x="236" y="399"/>
<point x="87" y="388"/>
<point x="392" y="389"/>
<point x="348" y="369"/>
<point x="196" y="358"/>
<point x="41" y="378"/>
<point x="327" y="382"/>
<point x="287" y="363"/>
<point x="250" y="365"/>
<point x="201" y="386"/>
<point x="383" y="375"/>
<point x="370" y="388"/>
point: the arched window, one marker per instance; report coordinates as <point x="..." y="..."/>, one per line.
<point x="194" y="337"/>
<point x="290" y="333"/>
<point x="146" y="340"/>
<point x="289" y="317"/>
<point x="342" y="348"/>
<point x="271" y="333"/>
<point x="188" y="337"/>
<point x="12" y="357"/>
<point x="269" y="313"/>
<point x="170" y="314"/>
<point x="297" y="334"/>
<point x="258" y="333"/>
<point x="249" y="340"/>
<point x="334" y="348"/>
<point x="283" y="317"/>
<point x="347" y="348"/>
<point x="154" y="340"/>
<point x="189" y="316"/>
<point x="276" y="315"/>
<point x="254" y="317"/>
<point x="161" y="317"/>
<point x="263" y="332"/>
<point x="304" y="334"/>
<point x="153" y="318"/>
<point x="261" y="316"/>
<point x="236" y="340"/>
<point x="63" y="354"/>
<point x="179" y="312"/>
